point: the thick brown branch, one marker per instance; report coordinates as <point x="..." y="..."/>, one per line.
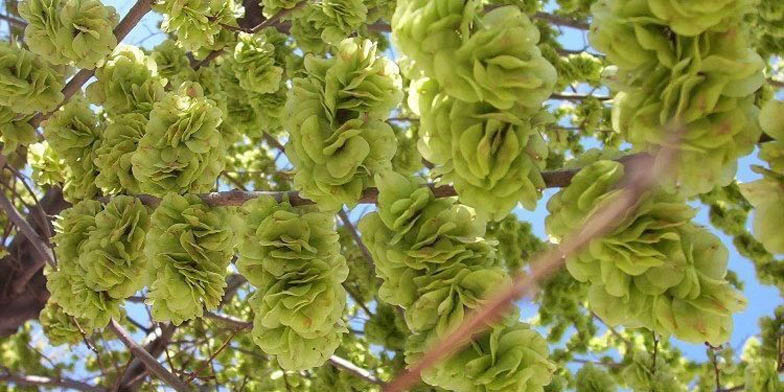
<point x="135" y="14"/>
<point x="147" y="359"/>
<point x="41" y="381"/>
<point x="13" y="21"/>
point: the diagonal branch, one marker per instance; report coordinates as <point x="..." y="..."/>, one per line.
<point x="135" y="14"/>
<point x="357" y="239"/>
<point x="149" y="361"/>
<point x="42" y="381"/>
<point x="348" y="366"/>
<point x="639" y="179"/>
<point x="28" y="232"/>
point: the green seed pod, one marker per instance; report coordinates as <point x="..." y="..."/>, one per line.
<point x="197" y="23"/>
<point x="766" y="195"/>
<point x="112" y="257"/>
<point x="58" y="326"/>
<point x="499" y="63"/>
<point x="689" y="17"/>
<point x="254" y="66"/>
<point x="337" y="19"/>
<point x="655" y="269"/>
<point x="172" y="63"/>
<point x="510" y="357"/>
<point x="771" y="119"/>
<point x="591" y="378"/>
<point x="29" y="85"/>
<point x="182" y="149"/>
<point x="113" y="159"/>
<point x="639" y="376"/>
<point x="272" y="7"/>
<point x="15" y="130"/>
<point x="708" y="97"/>
<point x="67" y="283"/>
<point x="293" y="257"/>
<point x="48" y="167"/>
<point x="75" y="135"/>
<point x="128" y="82"/>
<point x="422" y="28"/>
<point x="305" y="32"/>
<point x="412" y="234"/>
<point x="188" y="249"/>
<point x="492" y="157"/>
<point x="333" y="116"/>
<point x="73" y="32"/>
<point x="761" y="375"/>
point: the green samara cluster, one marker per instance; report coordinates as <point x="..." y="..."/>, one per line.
<point x="72" y="32"/>
<point x="15" y="130"/>
<point x="189" y="247"/>
<point x="29" y="84"/>
<point x="197" y="23"/>
<point x="435" y="263"/>
<point x="686" y="73"/>
<point x="59" y="327"/>
<point x="74" y="133"/>
<point x="182" y="147"/>
<point x="656" y="269"/>
<point x="479" y="82"/>
<point x="335" y="116"/>
<point x="100" y="259"/>
<point x="767" y="194"/>
<point x="292" y="257"/>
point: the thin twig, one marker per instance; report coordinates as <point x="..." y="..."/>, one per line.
<point x="350" y="367"/>
<point x="212" y="356"/>
<point x="38" y="244"/>
<point x="42" y="381"/>
<point x="149" y="361"/>
<point x="358" y="240"/>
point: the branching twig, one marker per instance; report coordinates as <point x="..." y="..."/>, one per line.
<point x="151" y="363"/>
<point x="348" y="366"/>
<point x="38" y="244"/>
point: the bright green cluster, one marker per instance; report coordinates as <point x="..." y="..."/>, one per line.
<point x="182" y="148"/>
<point x="68" y="283"/>
<point x="493" y="157"/>
<point x="253" y="62"/>
<point x="762" y="375"/>
<point x="172" y="62"/>
<point x="27" y="83"/>
<point x="127" y="83"/>
<point x="15" y="130"/>
<point x="48" y="167"/>
<point x="435" y="263"/>
<point x="642" y="374"/>
<point x="73" y="32"/>
<point x="516" y="242"/>
<point x="591" y="378"/>
<point x="769" y="27"/>
<point x="293" y="258"/>
<point x="74" y="134"/>
<point x="121" y="136"/>
<point x="335" y="114"/>
<point x="767" y="194"/>
<point x="479" y="84"/>
<point x="58" y="326"/>
<point x="509" y="357"/>
<point x="655" y="269"/>
<point x="685" y="70"/>
<point x="112" y="257"/>
<point x="197" y="23"/>
<point x="337" y="19"/>
<point x="188" y="247"/>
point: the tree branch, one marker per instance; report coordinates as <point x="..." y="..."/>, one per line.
<point x="578" y="97"/>
<point x="13" y="21"/>
<point x="350" y="367"/>
<point x="135" y="14"/>
<point x="42" y="381"/>
<point x="148" y="360"/>
<point x="358" y="240"/>
<point x="27" y="231"/>
<point x="562" y="21"/>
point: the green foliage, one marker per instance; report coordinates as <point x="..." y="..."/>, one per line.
<point x="196" y="23"/>
<point x="128" y="82"/>
<point x="113" y="158"/>
<point x="15" y="131"/>
<point x="591" y="378"/>
<point x="655" y="269"/>
<point x="59" y="327"/>
<point x="292" y="257"/>
<point x="74" y="32"/>
<point x="188" y="248"/>
<point x="182" y="147"/>
<point x="29" y="84"/>
<point x="334" y="114"/>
